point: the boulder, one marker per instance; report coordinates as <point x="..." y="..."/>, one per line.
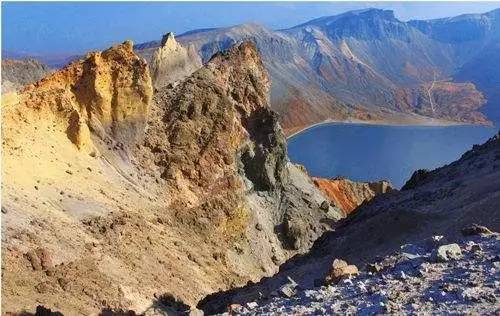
<point x="40" y="259"/>
<point x="476" y="248"/>
<point x="448" y="252"/>
<point x="233" y="308"/>
<point x="340" y="270"/>
<point x="288" y="289"/>
<point x="44" y="311"/>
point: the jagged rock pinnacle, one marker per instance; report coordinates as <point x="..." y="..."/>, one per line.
<point x="129" y="45"/>
<point x="172" y="62"/>
<point x="168" y="40"/>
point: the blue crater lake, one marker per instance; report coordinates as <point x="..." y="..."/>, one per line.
<point x="364" y="152"/>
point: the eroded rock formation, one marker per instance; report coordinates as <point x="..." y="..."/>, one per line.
<point x="172" y="62"/>
<point x="113" y="200"/>
<point x="216" y="142"/>
<point x="107" y="93"/>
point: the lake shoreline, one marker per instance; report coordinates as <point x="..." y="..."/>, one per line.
<point x="429" y="123"/>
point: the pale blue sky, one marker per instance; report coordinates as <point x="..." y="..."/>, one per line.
<point x="55" y="27"/>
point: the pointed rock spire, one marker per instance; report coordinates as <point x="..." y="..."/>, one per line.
<point x="172" y="62"/>
<point x="168" y="39"/>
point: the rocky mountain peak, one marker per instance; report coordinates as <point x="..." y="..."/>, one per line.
<point x="172" y="62"/>
<point x="168" y="40"/>
<point x="378" y="13"/>
<point x="364" y="14"/>
<point x="106" y="93"/>
<point x="233" y="116"/>
<point x="368" y="25"/>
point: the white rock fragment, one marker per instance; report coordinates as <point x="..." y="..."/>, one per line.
<point x="448" y="252"/>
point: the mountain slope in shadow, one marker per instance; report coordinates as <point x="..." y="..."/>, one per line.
<point x="438" y="202"/>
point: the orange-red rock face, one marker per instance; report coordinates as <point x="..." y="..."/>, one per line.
<point x="347" y="194"/>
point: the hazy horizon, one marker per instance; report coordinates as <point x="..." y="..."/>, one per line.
<point x="76" y="27"/>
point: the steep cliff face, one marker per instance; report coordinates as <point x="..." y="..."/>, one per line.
<point x="65" y="145"/>
<point x="18" y="73"/>
<point x="347" y="194"/>
<point x="216" y="143"/>
<point x="171" y="62"/>
<point x="198" y="136"/>
<point x="114" y="200"/>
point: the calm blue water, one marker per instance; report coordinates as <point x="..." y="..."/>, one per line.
<point x="374" y="152"/>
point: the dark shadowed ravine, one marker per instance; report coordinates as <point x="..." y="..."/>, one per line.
<point x="372" y="152"/>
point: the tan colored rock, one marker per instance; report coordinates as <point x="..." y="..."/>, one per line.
<point x="172" y="62"/>
<point x="340" y="270"/>
<point x="107" y="93"/>
<point x="34" y="260"/>
<point x="40" y="259"/>
<point x="179" y="216"/>
<point x="447" y="252"/>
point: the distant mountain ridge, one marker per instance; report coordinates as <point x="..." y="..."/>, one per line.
<point x="55" y="61"/>
<point x="481" y="63"/>
<point x="17" y="73"/>
<point x="365" y="65"/>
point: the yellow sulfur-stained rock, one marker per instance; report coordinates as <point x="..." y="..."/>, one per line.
<point x="107" y="93"/>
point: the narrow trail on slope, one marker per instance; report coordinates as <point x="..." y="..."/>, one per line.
<point x="429" y="92"/>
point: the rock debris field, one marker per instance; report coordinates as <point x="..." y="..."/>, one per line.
<point x="432" y="277"/>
